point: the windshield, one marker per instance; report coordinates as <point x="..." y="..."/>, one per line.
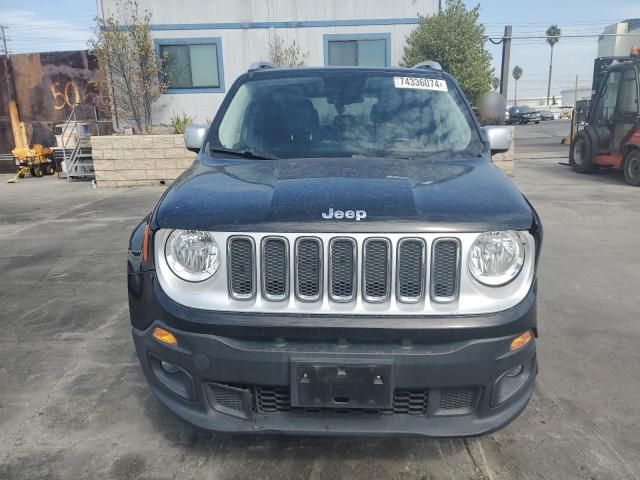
<point x="349" y="114"/>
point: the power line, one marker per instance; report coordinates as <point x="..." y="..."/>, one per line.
<point x="567" y="22"/>
<point x="578" y="35"/>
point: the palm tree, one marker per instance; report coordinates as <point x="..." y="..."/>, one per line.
<point x="553" y="35"/>
<point x="517" y="73"/>
<point x="495" y="83"/>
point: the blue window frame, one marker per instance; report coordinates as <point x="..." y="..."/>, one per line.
<point x="194" y="65"/>
<point x="363" y="50"/>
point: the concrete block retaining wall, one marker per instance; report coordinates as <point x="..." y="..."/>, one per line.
<point x="133" y="160"/>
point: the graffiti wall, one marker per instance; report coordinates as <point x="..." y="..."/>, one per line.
<point x="47" y="86"/>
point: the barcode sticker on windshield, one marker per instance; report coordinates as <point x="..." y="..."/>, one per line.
<point x="420" y="83"/>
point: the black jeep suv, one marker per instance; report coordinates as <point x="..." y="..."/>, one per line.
<point x="341" y="258"/>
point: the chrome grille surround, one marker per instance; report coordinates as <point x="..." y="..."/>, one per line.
<point x="308" y="262"/>
<point x="275" y="271"/>
<point x="241" y="253"/>
<point x="376" y="270"/>
<point x="343" y="269"/>
<point x="214" y="293"/>
<point x="408" y="281"/>
<point x="445" y="270"/>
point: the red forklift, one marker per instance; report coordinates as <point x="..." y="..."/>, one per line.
<point x="611" y="135"/>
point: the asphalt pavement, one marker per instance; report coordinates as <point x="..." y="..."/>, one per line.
<point x="74" y="403"/>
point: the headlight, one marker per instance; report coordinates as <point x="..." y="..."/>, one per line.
<point x="496" y="258"/>
<point x="192" y="255"/>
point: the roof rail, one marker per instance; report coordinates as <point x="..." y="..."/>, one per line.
<point x="261" y="66"/>
<point x="428" y="64"/>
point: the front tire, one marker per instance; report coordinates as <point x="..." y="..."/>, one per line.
<point x="581" y="155"/>
<point x="632" y="168"/>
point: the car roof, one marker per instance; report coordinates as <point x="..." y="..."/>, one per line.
<point x="307" y="70"/>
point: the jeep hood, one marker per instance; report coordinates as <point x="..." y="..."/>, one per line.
<point x="398" y="195"/>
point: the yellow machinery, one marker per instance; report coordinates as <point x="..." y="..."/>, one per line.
<point x="36" y="160"/>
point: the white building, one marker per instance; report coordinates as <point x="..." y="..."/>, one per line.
<point x="211" y="42"/>
<point x="627" y="35"/>
<point x="572" y="95"/>
<point x="535" y="102"/>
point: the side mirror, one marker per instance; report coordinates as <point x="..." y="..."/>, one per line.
<point x="194" y="137"/>
<point x="499" y="137"/>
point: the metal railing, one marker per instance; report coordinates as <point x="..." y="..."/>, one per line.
<point x="73" y="156"/>
<point x="65" y="138"/>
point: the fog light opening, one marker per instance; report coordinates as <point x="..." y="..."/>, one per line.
<point x="512" y="381"/>
<point x="169" y="367"/>
<point x="514" y="372"/>
<point x="521" y="340"/>
<point x="173" y="378"/>
<point x="164" y="336"/>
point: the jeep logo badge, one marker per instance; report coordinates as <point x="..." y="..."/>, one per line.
<point x="348" y="214"/>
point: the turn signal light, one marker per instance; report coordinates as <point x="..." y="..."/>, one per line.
<point x="145" y="244"/>
<point x="521" y="340"/>
<point x="163" y="336"/>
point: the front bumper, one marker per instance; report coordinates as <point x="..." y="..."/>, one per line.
<point x="445" y="379"/>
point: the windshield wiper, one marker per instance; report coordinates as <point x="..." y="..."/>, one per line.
<point x="246" y="153"/>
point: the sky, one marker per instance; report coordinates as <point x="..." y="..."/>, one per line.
<point x="46" y="25"/>
<point x="571" y="56"/>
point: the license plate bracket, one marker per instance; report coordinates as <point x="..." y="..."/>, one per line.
<point x="336" y="384"/>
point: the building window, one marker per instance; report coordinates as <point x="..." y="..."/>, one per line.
<point x="192" y="65"/>
<point x="368" y="50"/>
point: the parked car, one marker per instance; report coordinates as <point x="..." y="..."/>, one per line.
<point x="341" y="258"/>
<point x="546" y="115"/>
<point x="523" y="114"/>
<point x="507" y="117"/>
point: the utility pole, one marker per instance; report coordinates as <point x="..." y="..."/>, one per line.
<point x="506" y="53"/>
<point x="19" y="135"/>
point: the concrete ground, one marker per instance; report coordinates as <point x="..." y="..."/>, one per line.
<point x="74" y="403"/>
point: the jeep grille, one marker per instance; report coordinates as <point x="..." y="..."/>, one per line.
<point x="353" y="268"/>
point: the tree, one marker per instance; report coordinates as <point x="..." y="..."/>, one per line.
<point x="553" y="36"/>
<point x="517" y="73"/>
<point x="125" y="50"/>
<point x="286" y="56"/>
<point x="455" y="38"/>
<point x="495" y="83"/>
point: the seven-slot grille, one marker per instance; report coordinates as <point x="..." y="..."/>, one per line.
<point x="343" y="282"/>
